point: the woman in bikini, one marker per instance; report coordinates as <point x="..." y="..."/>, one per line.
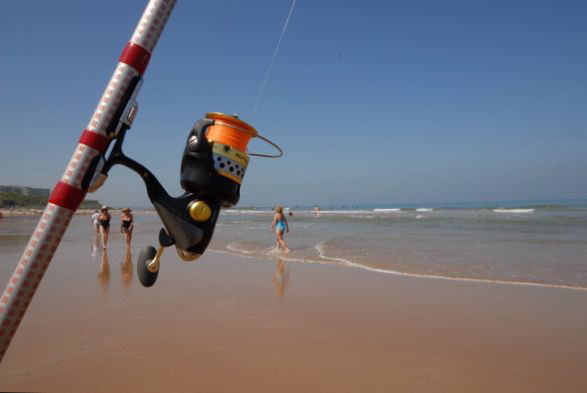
<point x="126" y="225"/>
<point x="104" y="221"/>
<point x="279" y="225"/>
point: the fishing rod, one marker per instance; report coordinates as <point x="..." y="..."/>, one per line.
<point x="213" y="165"/>
<point x="112" y="112"/>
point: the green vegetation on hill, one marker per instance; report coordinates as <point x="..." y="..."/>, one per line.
<point x="90" y="204"/>
<point x="13" y="200"/>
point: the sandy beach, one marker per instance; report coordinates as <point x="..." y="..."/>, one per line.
<point x="377" y="196"/>
<point x="229" y="323"/>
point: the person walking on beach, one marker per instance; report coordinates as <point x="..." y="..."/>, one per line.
<point x="95" y="221"/>
<point x="280" y="226"/>
<point x="104" y="220"/>
<point x="126" y="225"/>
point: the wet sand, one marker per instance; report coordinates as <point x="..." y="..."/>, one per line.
<point x="232" y="324"/>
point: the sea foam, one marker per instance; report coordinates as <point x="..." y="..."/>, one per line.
<point x="516" y="211"/>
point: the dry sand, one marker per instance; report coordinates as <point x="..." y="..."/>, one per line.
<point x="230" y="324"/>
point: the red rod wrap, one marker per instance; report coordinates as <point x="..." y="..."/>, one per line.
<point x="66" y="196"/>
<point x="135" y="56"/>
<point x="94" y="140"/>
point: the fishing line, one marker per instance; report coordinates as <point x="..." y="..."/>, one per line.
<point x="293" y="4"/>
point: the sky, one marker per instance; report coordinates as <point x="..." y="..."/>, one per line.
<point x="373" y="102"/>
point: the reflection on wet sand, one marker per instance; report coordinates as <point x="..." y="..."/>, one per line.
<point x="126" y="268"/>
<point x="104" y="272"/>
<point x="280" y="277"/>
<point x="95" y="246"/>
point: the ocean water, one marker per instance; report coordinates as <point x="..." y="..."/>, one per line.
<point x="523" y="243"/>
<point x="536" y="243"/>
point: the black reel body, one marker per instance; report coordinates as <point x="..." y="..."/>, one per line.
<point x="189" y="220"/>
<point x="198" y="174"/>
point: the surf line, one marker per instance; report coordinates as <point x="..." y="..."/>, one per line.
<point x="293" y="4"/>
<point x="331" y="261"/>
<point x="344" y="262"/>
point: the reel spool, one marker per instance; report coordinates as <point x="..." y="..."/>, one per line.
<point x="224" y="141"/>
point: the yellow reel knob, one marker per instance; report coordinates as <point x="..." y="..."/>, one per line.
<point x="187" y="256"/>
<point x="199" y="211"/>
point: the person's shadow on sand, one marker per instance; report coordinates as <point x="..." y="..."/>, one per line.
<point x="280" y="278"/>
<point x="104" y="273"/>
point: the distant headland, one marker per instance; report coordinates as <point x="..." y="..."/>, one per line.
<point x="21" y="197"/>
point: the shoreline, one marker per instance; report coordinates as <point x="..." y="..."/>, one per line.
<point x="12" y="213"/>
<point x="329" y="261"/>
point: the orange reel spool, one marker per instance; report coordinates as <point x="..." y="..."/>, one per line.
<point x="230" y="130"/>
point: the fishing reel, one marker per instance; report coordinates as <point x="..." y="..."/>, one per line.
<point x="213" y="165"/>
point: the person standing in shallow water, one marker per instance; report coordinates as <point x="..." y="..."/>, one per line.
<point x="280" y="226"/>
<point x="316" y="211"/>
<point x="126" y="225"/>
